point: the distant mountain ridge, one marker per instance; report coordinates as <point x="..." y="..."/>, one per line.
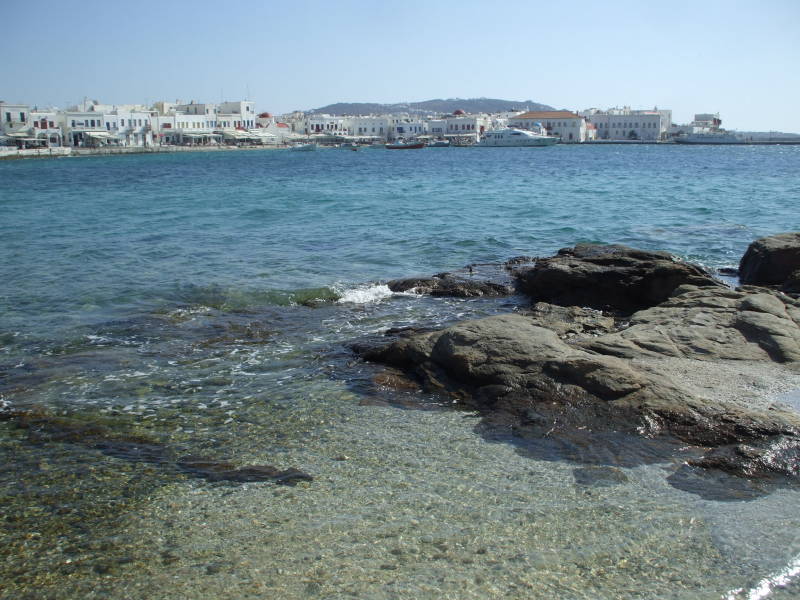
<point x="431" y="107"/>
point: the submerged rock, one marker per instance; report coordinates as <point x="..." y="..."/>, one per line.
<point x="609" y="277"/>
<point x="45" y="428"/>
<point x="771" y="260"/>
<point x="213" y="470"/>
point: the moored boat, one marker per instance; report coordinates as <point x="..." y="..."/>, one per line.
<point x="402" y="145"/>
<point x="304" y="147"/>
<point x="516" y="137"/>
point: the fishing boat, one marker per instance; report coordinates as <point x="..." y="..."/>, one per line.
<point x="439" y="144"/>
<point x="509" y="136"/>
<point x="403" y="145"/>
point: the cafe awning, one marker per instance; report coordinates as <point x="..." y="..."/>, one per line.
<point x="100" y="135"/>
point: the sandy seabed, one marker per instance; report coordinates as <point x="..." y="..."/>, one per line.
<point x="413" y="504"/>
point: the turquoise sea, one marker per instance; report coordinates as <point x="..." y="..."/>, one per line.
<point x="203" y="303"/>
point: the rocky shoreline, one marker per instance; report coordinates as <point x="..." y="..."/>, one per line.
<point x="606" y="364"/>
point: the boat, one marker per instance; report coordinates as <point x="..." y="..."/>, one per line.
<point x="439" y="144"/>
<point x="348" y="146"/>
<point x="403" y="145"/>
<point x="719" y="136"/>
<point x="304" y="147"/>
<point x="509" y="136"/>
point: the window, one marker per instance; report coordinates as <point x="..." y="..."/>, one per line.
<point x="8" y="117"/>
<point x="122" y="122"/>
<point x="22" y="117"/>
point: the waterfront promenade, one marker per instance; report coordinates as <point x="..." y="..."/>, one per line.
<point x="14" y="153"/>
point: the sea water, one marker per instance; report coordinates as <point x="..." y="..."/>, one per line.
<point x="205" y="301"/>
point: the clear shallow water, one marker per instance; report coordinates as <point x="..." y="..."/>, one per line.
<point x="164" y="294"/>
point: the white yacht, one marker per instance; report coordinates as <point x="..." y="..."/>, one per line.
<point x="516" y="137"/>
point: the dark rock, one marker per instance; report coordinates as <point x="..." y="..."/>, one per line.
<point x="609" y="277"/>
<point x="792" y="283"/>
<point x="779" y="455"/>
<point x="526" y="380"/>
<point x="222" y="471"/>
<point x="729" y="271"/>
<point x="771" y="260"/>
<point x="520" y="260"/>
<point x="446" y="284"/>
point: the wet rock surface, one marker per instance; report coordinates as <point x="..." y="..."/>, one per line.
<point x="568" y="382"/>
<point x="771" y="260"/>
<point x="476" y="280"/>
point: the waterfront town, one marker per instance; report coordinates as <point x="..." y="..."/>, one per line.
<point x="92" y="125"/>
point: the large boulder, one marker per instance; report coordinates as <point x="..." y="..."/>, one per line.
<point x="609" y="277"/>
<point x="771" y="260"/>
<point x="527" y="381"/>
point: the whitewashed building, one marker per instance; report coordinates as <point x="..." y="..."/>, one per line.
<point x="569" y="126"/>
<point x="405" y="126"/>
<point x="366" y="127"/>
<point x="240" y="114"/>
<point x="626" y="124"/>
<point x="15" y="125"/>
<point x="331" y="125"/>
<point x="46" y="125"/>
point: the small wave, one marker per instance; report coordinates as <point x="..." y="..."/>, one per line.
<point x="766" y="586"/>
<point x="365" y="294"/>
<point x="203" y="297"/>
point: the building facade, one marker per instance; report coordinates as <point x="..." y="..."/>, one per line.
<point x="569" y="126"/>
<point x="626" y="124"/>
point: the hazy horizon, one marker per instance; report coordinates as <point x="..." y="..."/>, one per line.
<point x="734" y="58"/>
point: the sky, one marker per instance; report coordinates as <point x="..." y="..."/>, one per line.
<point x="739" y="59"/>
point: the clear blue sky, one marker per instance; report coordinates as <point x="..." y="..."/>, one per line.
<point x="741" y="59"/>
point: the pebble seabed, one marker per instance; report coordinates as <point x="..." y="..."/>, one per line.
<point x="410" y="504"/>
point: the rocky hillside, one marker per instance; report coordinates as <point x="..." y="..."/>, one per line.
<point x="431" y="107"/>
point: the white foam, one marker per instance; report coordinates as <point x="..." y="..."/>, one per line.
<point x="365" y="294"/>
<point x="766" y="586"/>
